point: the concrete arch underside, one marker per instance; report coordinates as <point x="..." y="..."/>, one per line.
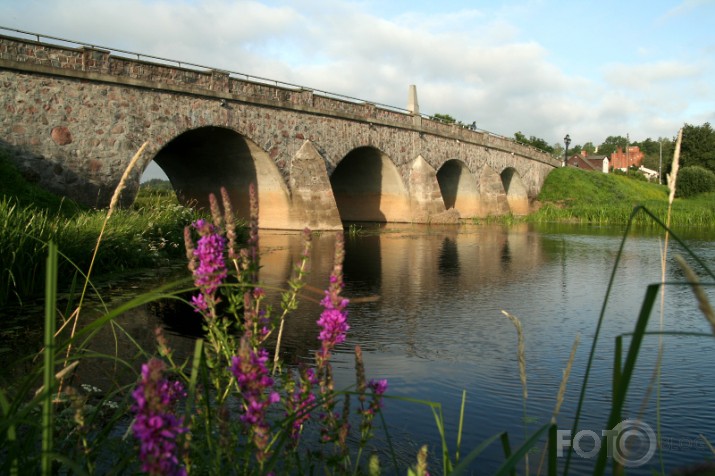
<point x="201" y="161"/>
<point x="368" y="187"/>
<point x="473" y="195"/>
<point x="516" y="192"/>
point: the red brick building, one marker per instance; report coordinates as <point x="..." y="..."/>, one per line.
<point x="631" y="157"/>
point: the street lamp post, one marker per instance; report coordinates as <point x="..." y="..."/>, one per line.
<point x="567" y="141"/>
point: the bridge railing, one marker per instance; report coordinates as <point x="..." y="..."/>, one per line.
<point x="140" y="66"/>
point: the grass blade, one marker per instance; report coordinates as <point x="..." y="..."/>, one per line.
<point x="506" y="447"/>
<point x="510" y="464"/>
<point x="464" y="464"/>
<point x="48" y="374"/>
<point x="461" y="426"/>
<point x="553" y="465"/>
<point x="619" y="396"/>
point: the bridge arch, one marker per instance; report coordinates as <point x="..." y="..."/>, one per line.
<point x="516" y="192"/>
<point x="200" y="161"/>
<point x="459" y="188"/>
<point x="368" y="187"/>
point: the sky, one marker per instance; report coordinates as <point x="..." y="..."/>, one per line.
<point x="544" y="68"/>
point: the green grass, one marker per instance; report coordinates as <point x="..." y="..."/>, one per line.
<point x="577" y="196"/>
<point x="148" y="234"/>
<point x="579" y="186"/>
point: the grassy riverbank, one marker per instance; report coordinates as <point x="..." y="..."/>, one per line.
<point x="148" y="234"/>
<point x="573" y="195"/>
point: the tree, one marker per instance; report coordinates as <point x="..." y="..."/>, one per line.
<point x="534" y="141"/>
<point x="648" y="147"/>
<point x="589" y="148"/>
<point x="446" y="118"/>
<point x="540" y="144"/>
<point x="611" y="144"/>
<point x="698" y="146"/>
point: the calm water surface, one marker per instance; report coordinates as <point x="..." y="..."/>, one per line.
<point x="437" y="330"/>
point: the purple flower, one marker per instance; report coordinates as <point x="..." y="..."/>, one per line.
<point x="334" y="324"/>
<point x="249" y="368"/>
<point x="334" y="318"/>
<point x="211" y="270"/>
<point x="378" y="386"/>
<point x="156" y="426"/>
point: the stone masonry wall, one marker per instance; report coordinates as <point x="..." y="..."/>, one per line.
<point x="76" y="116"/>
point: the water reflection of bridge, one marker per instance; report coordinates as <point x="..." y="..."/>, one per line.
<point x="403" y="265"/>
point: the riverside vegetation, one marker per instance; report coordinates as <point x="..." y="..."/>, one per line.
<point x="574" y="195"/>
<point x="148" y="234"/>
<point x="225" y="410"/>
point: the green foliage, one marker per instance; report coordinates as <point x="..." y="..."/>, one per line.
<point x="571" y="184"/>
<point x="533" y="141"/>
<point x="611" y="144"/>
<point x="648" y="147"/>
<point x="445" y="118"/>
<point x="698" y="146"/>
<point x="156" y="185"/>
<point x="694" y="180"/>
<point x="133" y="239"/>
<point x="632" y="172"/>
<point x="573" y="195"/>
<point x="149" y="234"/>
<point x="155" y="192"/>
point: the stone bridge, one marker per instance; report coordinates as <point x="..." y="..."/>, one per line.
<point x="74" y="116"/>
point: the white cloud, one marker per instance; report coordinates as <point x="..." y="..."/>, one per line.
<point x="684" y="8"/>
<point x="647" y="75"/>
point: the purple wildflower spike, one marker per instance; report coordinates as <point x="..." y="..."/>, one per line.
<point x="334" y="318"/>
<point x="211" y="269"/>
<point x="249" y="368"/>
<point x="156" y="426"/>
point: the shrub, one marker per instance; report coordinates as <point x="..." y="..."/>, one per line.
<point x="694" y="180"/>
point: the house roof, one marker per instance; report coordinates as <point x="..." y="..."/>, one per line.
<point x="593" y="162"/>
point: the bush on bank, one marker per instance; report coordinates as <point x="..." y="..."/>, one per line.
<point x="694" y="180"/>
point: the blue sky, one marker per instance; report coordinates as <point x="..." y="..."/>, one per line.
<point x="545" y="68"/>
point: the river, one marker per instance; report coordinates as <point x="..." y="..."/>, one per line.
<point x="432" y="325"/>
<point x="438" y="330"/>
